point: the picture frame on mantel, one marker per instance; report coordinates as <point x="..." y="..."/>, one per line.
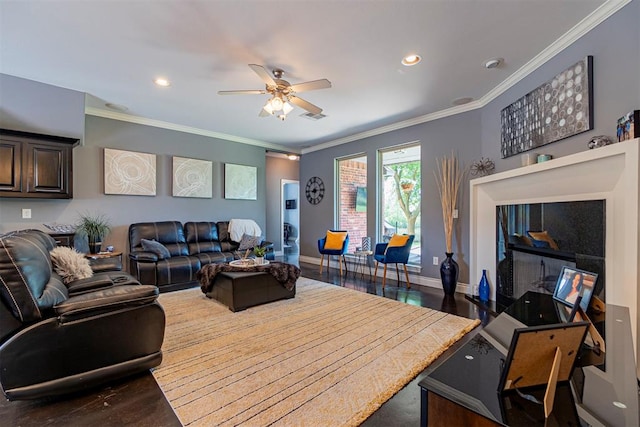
<point x="560" y="108"/>
<point x="628" y="127"/>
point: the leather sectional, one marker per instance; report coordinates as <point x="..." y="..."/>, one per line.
<point x="190" y="246"/>
<point x="58" y="338"/>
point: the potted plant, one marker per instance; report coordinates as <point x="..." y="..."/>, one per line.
<point x="448" y="178"/>
<point x="259" y="252"/>
<point x="95" y="227"/>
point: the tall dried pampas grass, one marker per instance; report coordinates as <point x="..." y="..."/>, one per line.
<point x="448" y="177"/>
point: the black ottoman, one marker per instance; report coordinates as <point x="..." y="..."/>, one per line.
<point x="240" y="290"/>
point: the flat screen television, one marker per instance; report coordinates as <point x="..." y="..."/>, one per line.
<point x="361" y="199"/>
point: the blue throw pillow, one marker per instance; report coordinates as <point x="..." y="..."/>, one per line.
<point x="156" y="248"/>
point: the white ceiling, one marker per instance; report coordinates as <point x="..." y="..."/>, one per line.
<point x="112" y="50"/>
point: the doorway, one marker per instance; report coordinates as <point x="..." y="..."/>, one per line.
<point x="290" y="220"/>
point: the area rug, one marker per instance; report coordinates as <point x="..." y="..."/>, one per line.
<point x="329" y="357"/>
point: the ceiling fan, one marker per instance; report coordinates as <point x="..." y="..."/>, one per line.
<point x="283" y="93"/>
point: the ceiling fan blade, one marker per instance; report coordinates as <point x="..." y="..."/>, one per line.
<point x="242" y="92"/>
<point x="263" y="74"/>
<point x="312" y="85"/>
<point x="313" y="109"/>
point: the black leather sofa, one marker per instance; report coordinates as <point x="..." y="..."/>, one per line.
<point x="190" y="246"/>
<point x="59" y="338"/>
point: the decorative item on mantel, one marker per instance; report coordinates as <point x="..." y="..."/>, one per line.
<point x="482" y="167"/>
<point x="599" y="141"/>
<point x="448" y="177"/>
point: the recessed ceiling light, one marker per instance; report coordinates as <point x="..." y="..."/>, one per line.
<point x="493" y="63"/>
<point x="117" y="107"/>
<point x="161" y="81"/>
<point x="462" y="101"/>
<point x="293" y="157"/>
<point x="410" y="60"/>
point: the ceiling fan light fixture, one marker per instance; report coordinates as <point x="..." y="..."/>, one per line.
<point x="287" y="108"/>
<point x="410" y="60"/>
<point x="267" y="107"/>
<point x="277" y="103"/>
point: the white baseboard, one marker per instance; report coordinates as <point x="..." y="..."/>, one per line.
<point x="416" y="279"/>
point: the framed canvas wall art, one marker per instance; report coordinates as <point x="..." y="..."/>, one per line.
<point x="240" y="182"/>
<point x="129" y="172"/>
<point x="192" y="178"/>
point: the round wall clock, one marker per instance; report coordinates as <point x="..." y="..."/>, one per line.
<point x="315" y="190"/>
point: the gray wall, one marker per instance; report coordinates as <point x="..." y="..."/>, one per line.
<point x="277" y="169"/>
<point x="458" y="134"/>
<point x="123" y="210"/>
<point x="615" y="46"/>
<point x="36" y="107"/>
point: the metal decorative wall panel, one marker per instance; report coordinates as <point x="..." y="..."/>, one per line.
<point x="560" y="108"/>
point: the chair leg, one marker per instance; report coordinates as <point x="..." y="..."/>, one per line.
<point x="397" y="275"/>
<point x="384" y="275"/>
<point x="321" y="262"/>
<point x="340" y="262"/>
<point x="375" y="273"/>
<point x="406" y="273"/>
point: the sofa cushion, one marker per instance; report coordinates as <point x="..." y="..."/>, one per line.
<point x="214" y="257"/>
<point x="169" y="233"/>
<point x="177" y="270"/>
<point x="70" y="264"/>
<point x="25" y="272"/>
<point x="155" y="247"/>
<point x="202" y="237"/>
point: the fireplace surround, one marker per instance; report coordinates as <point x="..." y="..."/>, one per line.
<point x="608" y="173"/>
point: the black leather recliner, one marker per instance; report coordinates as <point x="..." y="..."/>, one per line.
<point x="57" y="338"/>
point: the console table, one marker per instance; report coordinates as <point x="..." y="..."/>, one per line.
<point x="462" y="390"/>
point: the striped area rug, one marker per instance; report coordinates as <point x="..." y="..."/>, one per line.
<point x="329" y="357"/>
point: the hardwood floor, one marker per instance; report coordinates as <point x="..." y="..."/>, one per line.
<point x="138" y="401"/>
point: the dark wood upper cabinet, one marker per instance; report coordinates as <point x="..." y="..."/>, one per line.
<point x="35" y="165"/>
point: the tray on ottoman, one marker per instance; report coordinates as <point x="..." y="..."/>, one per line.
<point x="241" y="290"/>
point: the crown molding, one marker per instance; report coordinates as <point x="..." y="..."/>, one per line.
<point x="599" y="15"/>
<point x="567" y="39"/>
<point x="395" y="126"/>
<point x="580" y="29"/>
<point x="92" y="111"/>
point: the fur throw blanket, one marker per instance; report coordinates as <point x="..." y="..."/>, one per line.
<point x="70" y="264"/>
<point x="284" y="273"/>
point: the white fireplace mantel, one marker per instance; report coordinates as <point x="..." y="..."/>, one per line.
<point x="609" y="173"/>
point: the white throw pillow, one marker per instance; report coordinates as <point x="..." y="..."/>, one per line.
<point x="70" y="264"/>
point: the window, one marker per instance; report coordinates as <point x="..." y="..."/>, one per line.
<point x="352" y="200"/>
<point x="400" y="195"/>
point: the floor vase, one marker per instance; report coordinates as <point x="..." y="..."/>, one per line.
<point x="449" y="274"/>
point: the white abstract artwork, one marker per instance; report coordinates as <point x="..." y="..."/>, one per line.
<point x="129" y="172"/>
<point x="240" y="182"/>
<point x="192" y="178"/>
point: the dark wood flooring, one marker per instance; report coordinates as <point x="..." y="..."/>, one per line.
<point x="138" y="401"/>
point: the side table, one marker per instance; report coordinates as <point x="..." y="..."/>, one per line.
<point x="105" y="261"/>
<point x="360" y="259"/>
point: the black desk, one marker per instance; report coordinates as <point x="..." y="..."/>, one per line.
<point x="463" y="389"/>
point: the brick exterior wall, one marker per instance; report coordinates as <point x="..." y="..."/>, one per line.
<point x="353" y="174"/>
